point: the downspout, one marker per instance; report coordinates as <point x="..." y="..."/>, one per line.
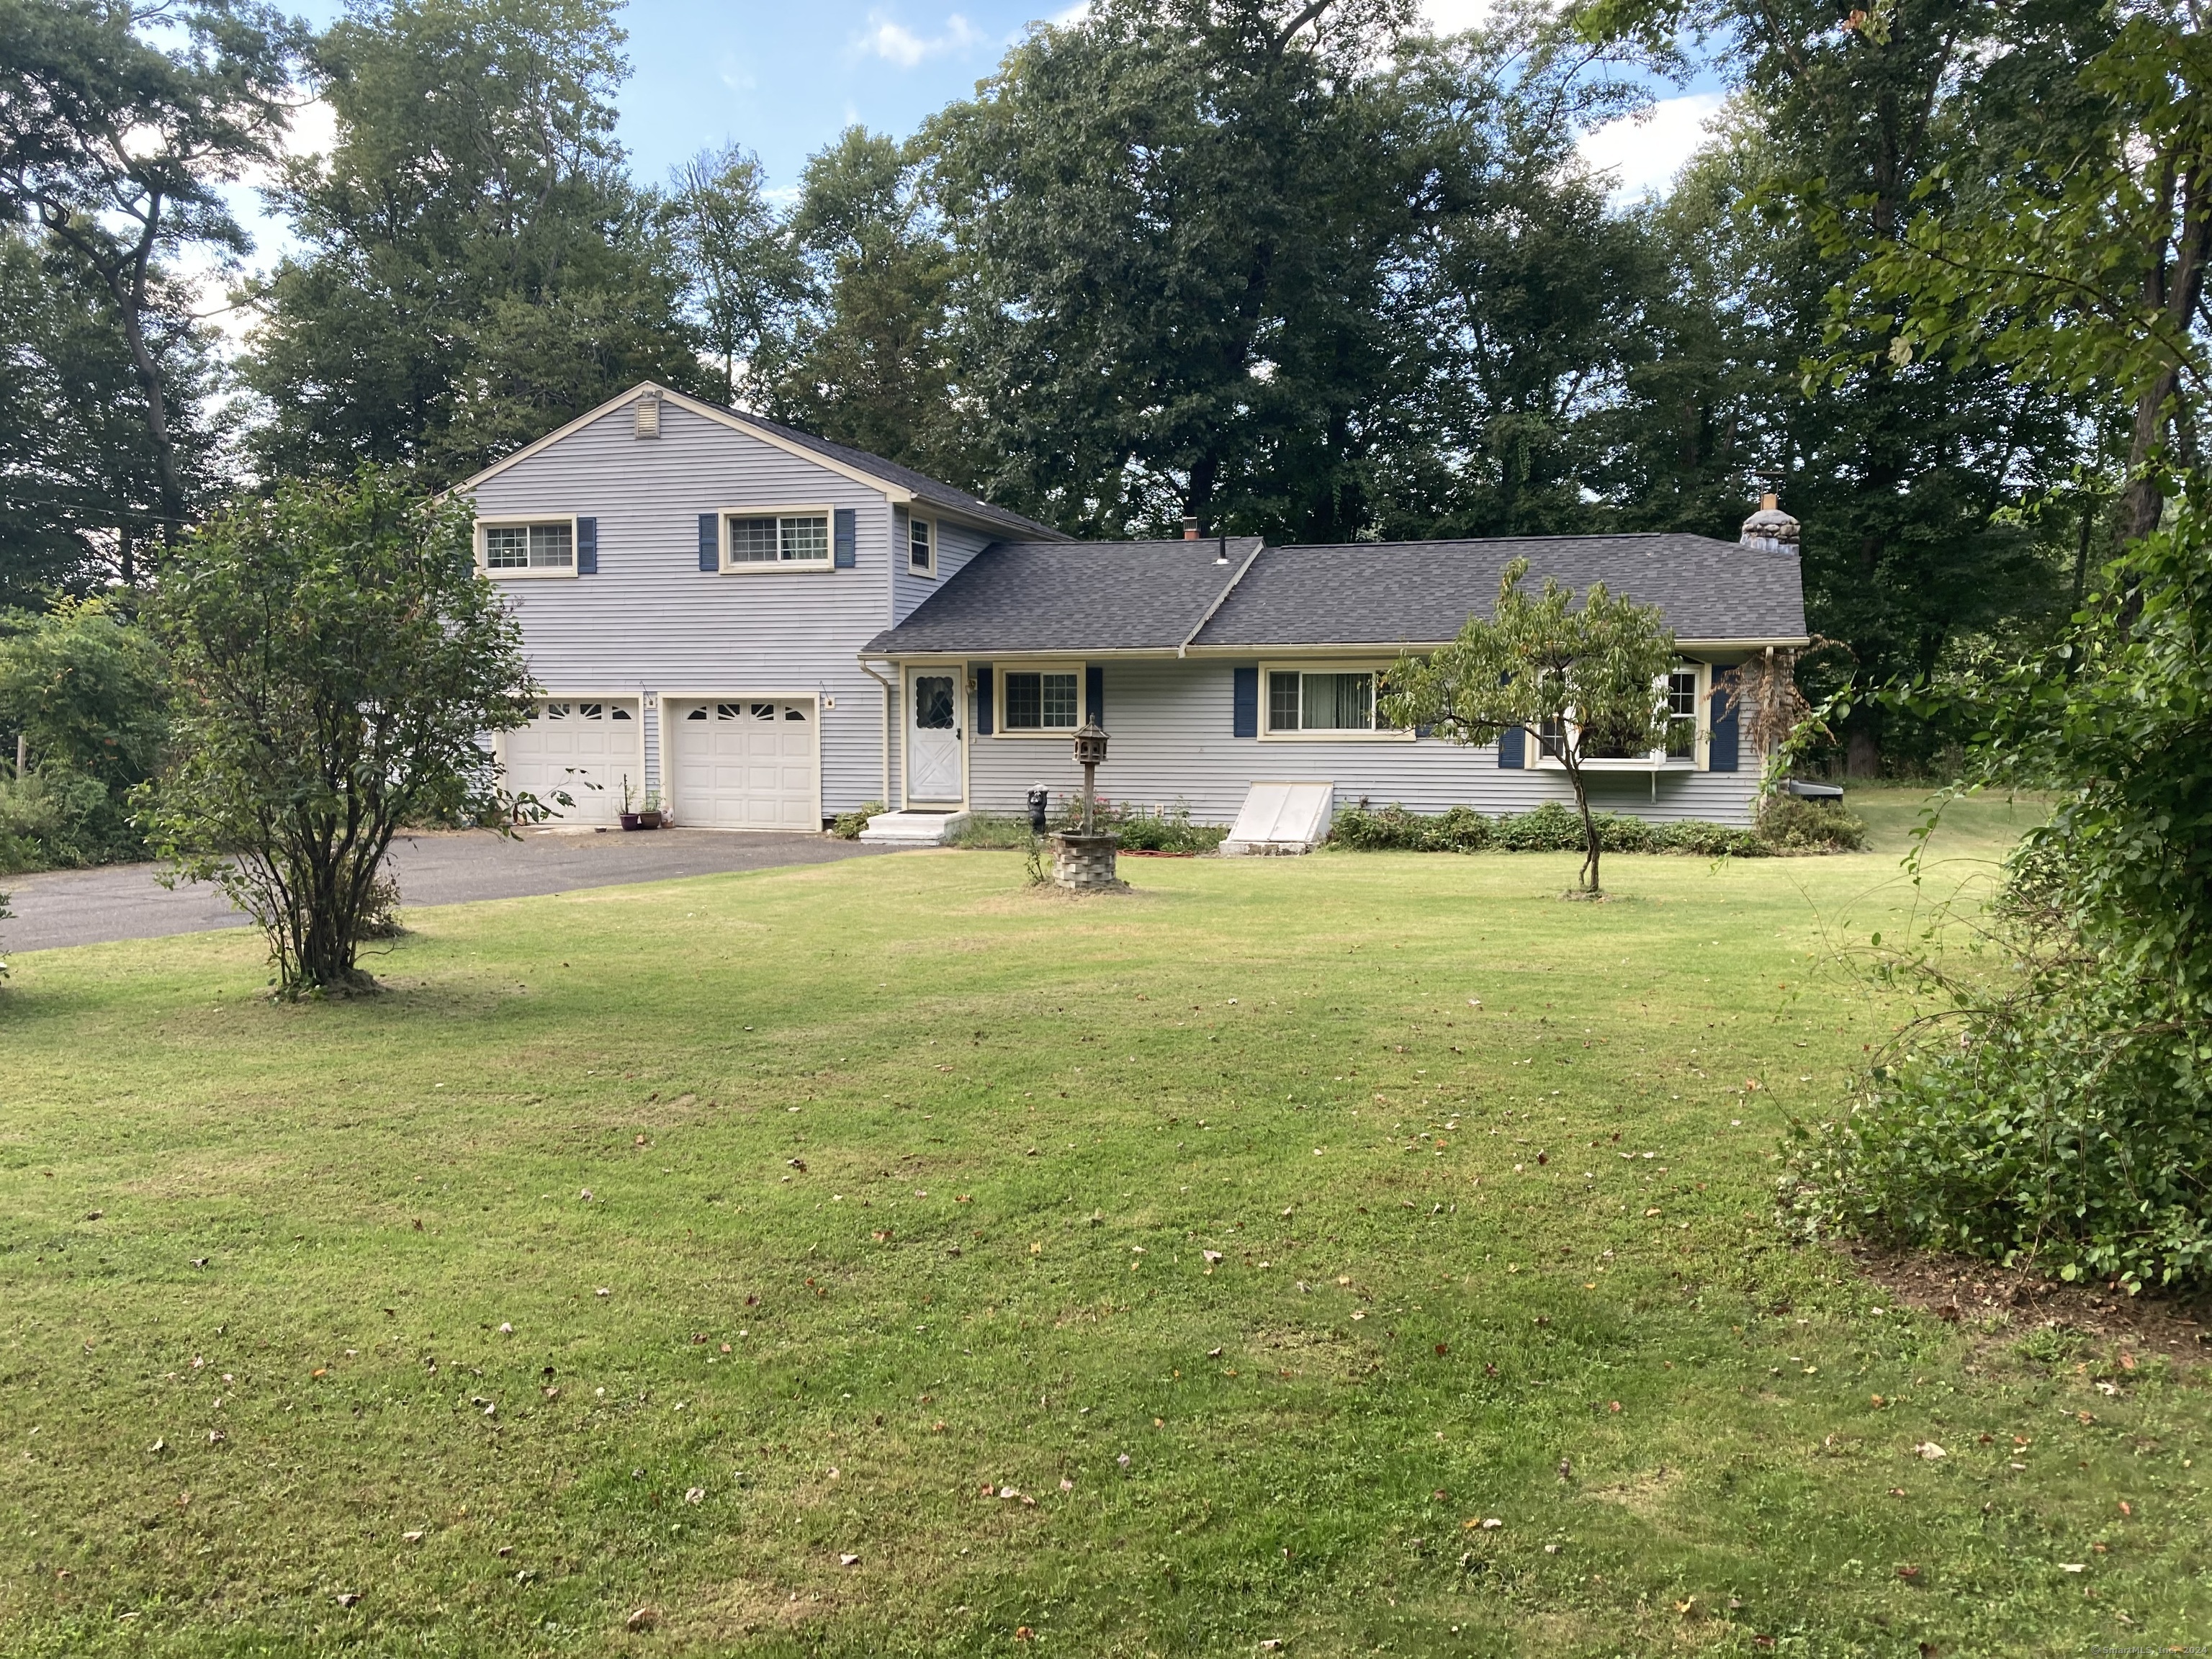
<point x="890" y="692"/>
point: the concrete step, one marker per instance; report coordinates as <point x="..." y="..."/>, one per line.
<point x="913" y="829"/>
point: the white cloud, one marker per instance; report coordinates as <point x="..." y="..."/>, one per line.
<point x="1454" y="17"/>
<point x="1644" y="152"/>
<point x="895" y="43"/>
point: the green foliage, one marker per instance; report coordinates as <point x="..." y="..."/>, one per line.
<point x="119" y="126"/>
<point x="744" y="278"/>
<point x="846" y="826"/>
<point x="1582" y="683"/>
<point x="865" y="360"/>
<point x="1550" y="828"/>
<point x="997" y="832"/>
<point x="1794" y="825"/>
<point x="476" y="270"/>
<point x="88" y="690"/>
<point x="1143" y="828"/>
<point x="2059" y="1111"/>
<point x="338" y="660"/>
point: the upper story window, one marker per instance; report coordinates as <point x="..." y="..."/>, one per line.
<point x="1040" y="700"/>
<point x="784" y="539"/>
<point x="921" y="546"/>
<point x="549" y="547"/>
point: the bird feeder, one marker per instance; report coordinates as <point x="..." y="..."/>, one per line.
<point x="1090" y="755"/>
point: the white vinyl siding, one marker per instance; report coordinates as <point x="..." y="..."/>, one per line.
<point x="1171" y="724"/>
<point x="652" y="619"/>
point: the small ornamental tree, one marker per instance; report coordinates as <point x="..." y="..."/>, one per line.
<point x="337" y="662"/>
<point x="1587" y="684"/>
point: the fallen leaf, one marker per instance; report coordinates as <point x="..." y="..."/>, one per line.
<point x="1023" y="1633"/>
<point x="411" y="1537"/>
<point x="696" y="1495"/>
<point x="848" y="1560"/>
<point x="643" y="1619"/>
<point x="1929" y="1450"/>
<point x="347" y="1598"/>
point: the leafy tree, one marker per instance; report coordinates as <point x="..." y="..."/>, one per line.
<point x="745" y="279"/>
<point x="80" y="479"/>
<point x="1938" y="495"/>
<point x="866" y="362"/>
<point x="1585" y="682"/>
<point x="1173" y="222"/>
<point x="116" y="146"/>
<point x="477" y="268"/>
<point x="1520" y="300"/>
<point x="338" y="660"/>
<point x="86" y="688"/>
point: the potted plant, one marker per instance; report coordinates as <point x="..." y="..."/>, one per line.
<point x="649" y="817"/>
<point x="629" y="815"/>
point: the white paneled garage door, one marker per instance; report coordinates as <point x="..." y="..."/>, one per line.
<point x="747" y="763"/>
<point x="585" y="746"/>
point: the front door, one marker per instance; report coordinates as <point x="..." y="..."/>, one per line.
<point x="932" y="738"/>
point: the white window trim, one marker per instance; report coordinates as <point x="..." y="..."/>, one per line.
<point x="1658" y="760"/>
<point x="804" y="510"/>
<point x="999" y="672"/>
<point x="1326" y="665"/>
<point x="525" y="573"/>
<point x="928" y="521"/>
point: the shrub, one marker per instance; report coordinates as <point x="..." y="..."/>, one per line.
<point x="846" y="826"/>
<point x="1551" y="828"/>
<point x="1145" y="828"/>
<point x="1798" y="825"/>
<point x="57" y="818"/>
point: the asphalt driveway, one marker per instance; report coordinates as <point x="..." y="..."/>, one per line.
<point x="122" y="901"/>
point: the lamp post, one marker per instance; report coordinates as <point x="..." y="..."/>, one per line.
<point x="1090" y="755"/>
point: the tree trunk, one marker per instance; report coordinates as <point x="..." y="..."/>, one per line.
<point x="1590" y="848"/>
<point x="1861" y="752"/>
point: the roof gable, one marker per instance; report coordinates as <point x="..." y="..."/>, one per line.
<point x="899" y="483"/>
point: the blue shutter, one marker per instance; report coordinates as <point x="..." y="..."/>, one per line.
<point x="1721" y="751"/>
<point x="587" y="547"/>
<point x="847" y="546"/>
<point x="710" y="541"/>
<point x="983" y="721"/>
<point x="1094" y="692"/>
<point x="1244" y="702"/>
<point x="1513" y="749"/>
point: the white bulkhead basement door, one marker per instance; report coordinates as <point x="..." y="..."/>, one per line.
<point x="745" y="763"/>
<point x="582" y="745"/>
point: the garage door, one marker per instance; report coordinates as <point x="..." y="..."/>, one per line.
<point x="750" y="763"/>
<point x="584" y="747"/>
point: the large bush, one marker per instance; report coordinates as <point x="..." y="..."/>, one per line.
<point x="2056" y="1110"/>
<point x="339" y="661"/>
<point x="86" y="688"/>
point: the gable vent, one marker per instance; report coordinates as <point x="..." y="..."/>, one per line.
<point x="646" y="413"/>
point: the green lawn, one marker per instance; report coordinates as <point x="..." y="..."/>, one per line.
<point x="901" y="1183"/>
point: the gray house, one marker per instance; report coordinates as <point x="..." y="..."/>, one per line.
<point x="768" y="629"/>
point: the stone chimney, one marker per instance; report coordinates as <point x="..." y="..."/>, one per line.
<point x="1771" y="530"/>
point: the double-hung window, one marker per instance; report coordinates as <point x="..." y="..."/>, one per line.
<point x="1040" y="700"/>
<point x="547" y="548"/>
<point x="921" y="546"/>
<point x="1682" y="712"/>
<point x="1681" y="695"/>
<point x="1327" y="701"/>
<point x="784" y="539"/>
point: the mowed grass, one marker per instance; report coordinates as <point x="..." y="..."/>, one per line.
<point x="905" y="1189"/>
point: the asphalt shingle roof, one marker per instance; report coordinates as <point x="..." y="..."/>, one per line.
<point x="1071" y="596"/>
<point x="1078" y="596"/>
<point x="925" y="488"/>
<point x="1406" y="593"/>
